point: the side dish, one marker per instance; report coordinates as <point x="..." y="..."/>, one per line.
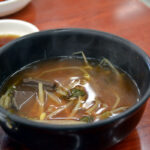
<point x="4" y="39"/>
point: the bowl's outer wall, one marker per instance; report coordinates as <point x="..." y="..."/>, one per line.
<point x="97" y="138"/>
<point x="63" y="43"/>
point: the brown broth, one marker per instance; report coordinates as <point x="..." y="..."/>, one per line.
<point x="4" y="39"/>
<point x="100" y="92"/>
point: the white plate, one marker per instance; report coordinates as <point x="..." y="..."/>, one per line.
<point x="11" y="6"/>
<point x="16" y="27"/>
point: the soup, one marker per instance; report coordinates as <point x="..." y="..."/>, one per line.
<point x="69" y="90"/>
<point x="4" y="39"/>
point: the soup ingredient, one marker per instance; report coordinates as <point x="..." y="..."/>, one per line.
<point x="116" y="102"/>
<point x="54" y="98"/>
<point x="34" y="83"/>
<point x="77" y="92"/>
<point x="70" y="91"/>
<point x="6" y="99"/>
<point x="106" y="64"/>
<point x="61" y="122"/>
<point x="4" y="39"/>
<point x="91" y="109"/>
<point x="87" y="119"/>
<point x="62" y="108"/>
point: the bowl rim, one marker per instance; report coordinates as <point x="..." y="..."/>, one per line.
<point x="55" y="127"/>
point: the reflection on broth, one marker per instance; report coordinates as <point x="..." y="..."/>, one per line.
<point x="69" y="91"/>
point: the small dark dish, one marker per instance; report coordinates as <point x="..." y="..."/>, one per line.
<point x="63" y="42"/>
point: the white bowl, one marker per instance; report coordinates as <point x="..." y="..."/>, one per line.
<point x="16" y="27"/>
<point x="11" y="6"/>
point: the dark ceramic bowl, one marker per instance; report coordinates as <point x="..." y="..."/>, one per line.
<point x="63" y="42"/>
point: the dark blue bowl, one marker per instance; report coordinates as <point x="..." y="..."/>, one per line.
<point x="63" y="42"/>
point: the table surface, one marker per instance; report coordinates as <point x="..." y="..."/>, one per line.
<point x="127" y="18"/>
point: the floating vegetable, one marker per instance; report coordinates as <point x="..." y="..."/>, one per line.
<point x="87" y="119"/>
<point x="77" y="92"/>
<point x="6" y="99"/>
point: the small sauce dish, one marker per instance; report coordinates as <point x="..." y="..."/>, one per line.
<point x="8" y="7"/>
<point x="11" y="29"/>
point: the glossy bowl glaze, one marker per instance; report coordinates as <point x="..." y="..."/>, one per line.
<point x="63" y="42"/>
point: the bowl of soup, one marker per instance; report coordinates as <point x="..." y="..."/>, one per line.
<point x="77" y="87"/>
